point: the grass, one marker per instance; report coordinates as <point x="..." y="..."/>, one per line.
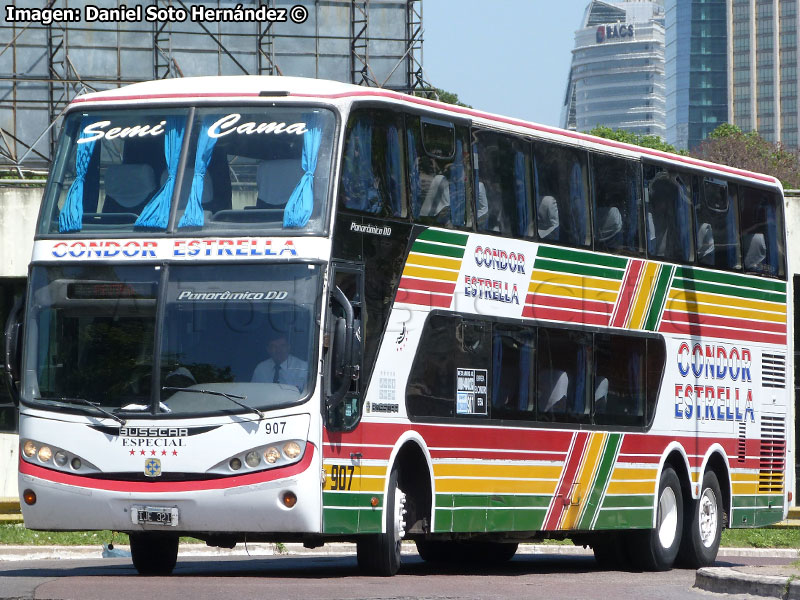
<point x="16" y="534"/>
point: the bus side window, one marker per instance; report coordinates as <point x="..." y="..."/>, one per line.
<point x="619" y="380"/>
<point x="717" y="225"/>
<point x="513" y="373"/>
<point x="439" y="178"/>
<point x="656" y="359"/>
<point x="668" y="218"/>
<point x="617" y="205"/>
<point x="762" y="232"/>
<point x="564" y="376"/>
<point x="372" y="179"/>
<point x="562" y="195"/>
<point x="503" y="184"/>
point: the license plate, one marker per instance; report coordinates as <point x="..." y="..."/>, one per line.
<point x="154" y="515"/>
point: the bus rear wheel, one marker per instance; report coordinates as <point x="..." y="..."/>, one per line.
<point x="379" y="554"/>
<point x="656" y="549"/>
<point x="703" y="526"/>
<point x="154" y="553"/>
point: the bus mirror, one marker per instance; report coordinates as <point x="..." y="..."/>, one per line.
<point x="13" y="349"/>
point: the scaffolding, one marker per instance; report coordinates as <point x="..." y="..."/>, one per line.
<point x="375" y="43"/>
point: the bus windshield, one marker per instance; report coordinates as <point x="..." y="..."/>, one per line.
<point x="246" y="332"/>
<point x="246" y="168"/>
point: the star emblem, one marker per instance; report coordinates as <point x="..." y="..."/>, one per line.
<point x="133" y="452"/>
<point x="152" y="452"/>
<point x="143" y="453"/>
<point x="174" y="453"/>
<point x="163" y="453"/>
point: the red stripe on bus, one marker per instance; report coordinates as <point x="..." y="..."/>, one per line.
<point x="627" y="293"/>
<point x="552" y="314"/>
<point x="706" y="320"/>
<point x="423" y="299"/>
<point x="725" y="334"/>
<point x="427" y="285"/>
<point x="561" y="498"/>
<point x="571" y="303"/>
<point x="156" y="486"/>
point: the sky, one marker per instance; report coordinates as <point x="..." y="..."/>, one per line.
<point x="509" y="57"/>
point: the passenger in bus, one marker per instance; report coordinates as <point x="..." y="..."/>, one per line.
<point x="547" y="219"/>
<point x="281" y="366"/>
<point x="437" y="198"/>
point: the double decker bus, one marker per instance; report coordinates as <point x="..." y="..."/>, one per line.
<point x="282" y="309"/>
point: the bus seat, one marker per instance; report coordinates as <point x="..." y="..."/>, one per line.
<point x="483" y="206"/>
<point x="276" y="180"/>
<point x="601" y="395"/>
<point x="705" y="245"/>
<point x="553" y="387"/>
<point x="547" y="218"/>
<point x="756" y="251"/>
<point x="128" y="187"/>
<point x="437" y="198"/>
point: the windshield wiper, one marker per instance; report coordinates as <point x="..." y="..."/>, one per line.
<point x="90" y="404"/>
<point x="232" y="397"/>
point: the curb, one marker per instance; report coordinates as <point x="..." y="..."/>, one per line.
<point x="724" y="580"/>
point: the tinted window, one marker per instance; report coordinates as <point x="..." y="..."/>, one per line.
<point x="617" y="205"/>
<point x="503" y="184"/>
<point x="619" y="380"/>
<point x="762" y="232"/>
<point x="513" y="372"/>
<point x="668" y="207"/>
<point x="562" y="199"/>
<point x="373" y="165"/>
<point x="439" y="181"/>
<point x="717" y="225"/>
<point x="564" y="376"/>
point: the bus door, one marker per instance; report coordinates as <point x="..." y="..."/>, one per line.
<point x="343" y="391"/>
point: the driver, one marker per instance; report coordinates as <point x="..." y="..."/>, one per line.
<point x="281" y="367"/>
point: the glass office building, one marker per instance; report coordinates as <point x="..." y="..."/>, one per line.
<point x="696" y="69"/>
<point x="617" y="74"/>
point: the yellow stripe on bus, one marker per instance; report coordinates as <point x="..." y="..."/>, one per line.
<point x="495" y="486"/>
<point x="624" y="474"/>
<point x="586" y="473"/>
<point x="745" y="489"/>
<point x="579" y="281"/>
<point x="720" y="303"/>
<point x="467" y="470"/>
<point x="574" y="293"/>
<point x="439" y="262"/>
<point x="631" y="487"/>
<point x="425" y="273"/>
<point x="640" y="300"/>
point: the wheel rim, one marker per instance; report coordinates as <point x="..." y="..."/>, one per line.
<point x="708" y="517"/>
<point x="399" y="517"/>
<point x="667" y="517"/>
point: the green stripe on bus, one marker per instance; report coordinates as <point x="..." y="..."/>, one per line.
<point x="588" y="258"/>
<point x="437" y="250"/>
<point x="620" y="518"/>
<point x="577" y="269"/>
<point x="493" y="500"/>
<point x="444" y="237"/>
<point x="727" y="290"/>
<point x="627" y="501"/>
<point x="760" y="501"/>
<point x="659" y="297"/>
<point x="334" y="499"/>
<point x="475" y="520"/>
<point x="731" y="279"/>
<point x="607" y="461"/>
<point x="339" y="520"/>
<point x="769" y="516"/>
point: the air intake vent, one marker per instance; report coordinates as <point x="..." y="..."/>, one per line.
<point x="773" y="370"/>
<point x="741" y="449"/>
<point x="773" y="454"/>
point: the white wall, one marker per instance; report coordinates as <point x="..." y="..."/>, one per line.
<point x="8" y="467"/>
<point x="19" y="208"/>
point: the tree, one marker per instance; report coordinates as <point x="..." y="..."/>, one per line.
<point x="628" y="137"/>
<point x="441" y="95"/>
<point x="729" y="145"/>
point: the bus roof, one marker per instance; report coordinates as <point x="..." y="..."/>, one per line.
<point x="254" y="86"/>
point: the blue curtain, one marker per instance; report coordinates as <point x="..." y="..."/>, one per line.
<point x="193" y="215"/>
<point x="413" y="171"/>
<point x="577" y="205"/>
<point x="497" y="368"/>
<point x="155" y="214"/>
<point x="301" y="203"/>
<point x="521" y="192"/>
<point x="579" y="400"/>
<point x="395" y="168"/>
<point x="683" y="222"/>
<point x="71" y="216"/>
<point x="524" y="374"/>
<point x="458" y="188"/>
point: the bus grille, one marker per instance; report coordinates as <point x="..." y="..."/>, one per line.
<point x="741" y="449"/>
<point x="773" y="370"/>
<point x="773" y="454"/>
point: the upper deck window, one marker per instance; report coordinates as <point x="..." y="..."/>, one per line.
<point x="246" y="168"/>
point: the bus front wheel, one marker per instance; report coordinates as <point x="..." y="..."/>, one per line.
<point x="656" y="549"/>
<point x="379" y="554"/>
<point x="154" y="553"/>
<point x="703" y="526"/>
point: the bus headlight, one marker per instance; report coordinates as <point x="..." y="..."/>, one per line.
<point x="60" y="458"/>
<point x="29" y="448"/>
<point x="252" y="459"/>
<point x="271" y="455"/>
<point x="45" y="454"/>
<point x="291" y="450"/>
